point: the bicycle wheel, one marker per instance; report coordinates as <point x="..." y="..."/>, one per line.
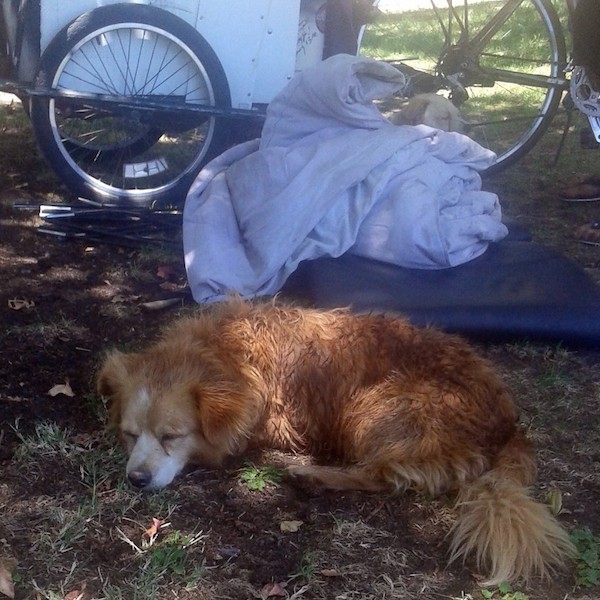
<point x="507" y="82"/>
<point x="146" y="155"/>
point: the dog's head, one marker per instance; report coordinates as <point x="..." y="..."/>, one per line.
<point x="171" y="409"/>
<point x="432" y="110"/>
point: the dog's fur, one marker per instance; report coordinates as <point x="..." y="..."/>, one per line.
<point x="400" y="407"/>
<point x="430" y="109"/>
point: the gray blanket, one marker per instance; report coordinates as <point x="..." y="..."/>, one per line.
<point x="331" y="175"/>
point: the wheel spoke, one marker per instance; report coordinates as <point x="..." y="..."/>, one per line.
<point x="507" y="76"/>
<point x="138" y="155"/>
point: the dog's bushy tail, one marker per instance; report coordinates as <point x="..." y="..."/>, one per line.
<point x="510" y="534"/>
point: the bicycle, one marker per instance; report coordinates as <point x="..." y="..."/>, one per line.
<point x="129" y="100"/>
<point x="503" y="63"/>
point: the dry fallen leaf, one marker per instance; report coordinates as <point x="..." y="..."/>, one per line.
<point x="76" y="594"/>
<point x="271" y="590"/>
<point x="20" y="304"/>
<point x="554" y="499"/>
<point x="170" y="286"/>
<point x="152" y="531"/>
<point x="61" y="388"/>
<point x="122" y="299"/>
<point x="7" y="587"/>
<point x="290" y="526"/>
<point x="168" y="272"/>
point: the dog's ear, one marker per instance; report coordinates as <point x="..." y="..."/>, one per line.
<point x="226" y="415"/>
<point x="114" y="370"/>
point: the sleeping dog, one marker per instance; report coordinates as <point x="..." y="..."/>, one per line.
<point x="432" y="110"/>
<point x="392" y="406"/>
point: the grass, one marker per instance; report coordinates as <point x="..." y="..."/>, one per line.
<point x="166" y="560"/>
<point x="97" y="499"/>
<point x="59" y="327"/>
<point x="257" y="478"/>
<point x="156" y="255"/>
<point x="503" y="592"/>
<point x="79" y="531"/>
<point x="92" y="508"/>
<point x="48" y="439"/>
<point x="307" y="567"/>
<point x="497" y="112"/>
<point x="588" y="557"/>
<point x="418" y="38"/>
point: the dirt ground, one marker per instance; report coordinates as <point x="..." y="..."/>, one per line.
<point x="74" y="528"/>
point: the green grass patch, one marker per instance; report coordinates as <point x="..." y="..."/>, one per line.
<point x="588" y="557"/>
<point x="256" y="478"/>
<point x="503" y="592"/>
<point x="47" y="439"/>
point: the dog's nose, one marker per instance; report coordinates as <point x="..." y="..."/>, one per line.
<point x="140" y="479"/>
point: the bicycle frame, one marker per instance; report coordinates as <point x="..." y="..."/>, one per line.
<point x="463" y="56"/>
<point x="287" y="40"/>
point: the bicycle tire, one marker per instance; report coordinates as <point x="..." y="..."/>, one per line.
<point x="507" y="117"/>
<point x="145" y="159"/>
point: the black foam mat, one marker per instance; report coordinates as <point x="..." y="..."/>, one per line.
<point x="517" y="289"/>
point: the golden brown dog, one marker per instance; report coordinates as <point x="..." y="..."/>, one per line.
<point x="432" y="110"/>
<point x="400" y="407"/>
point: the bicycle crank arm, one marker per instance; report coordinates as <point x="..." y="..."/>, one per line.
<point x="595" y="126"/>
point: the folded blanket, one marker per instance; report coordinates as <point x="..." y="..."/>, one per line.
<point x="330" y="175"/>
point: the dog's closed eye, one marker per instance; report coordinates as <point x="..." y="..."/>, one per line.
<point x="169" y="437"/>
<point x="171" y="440"/>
